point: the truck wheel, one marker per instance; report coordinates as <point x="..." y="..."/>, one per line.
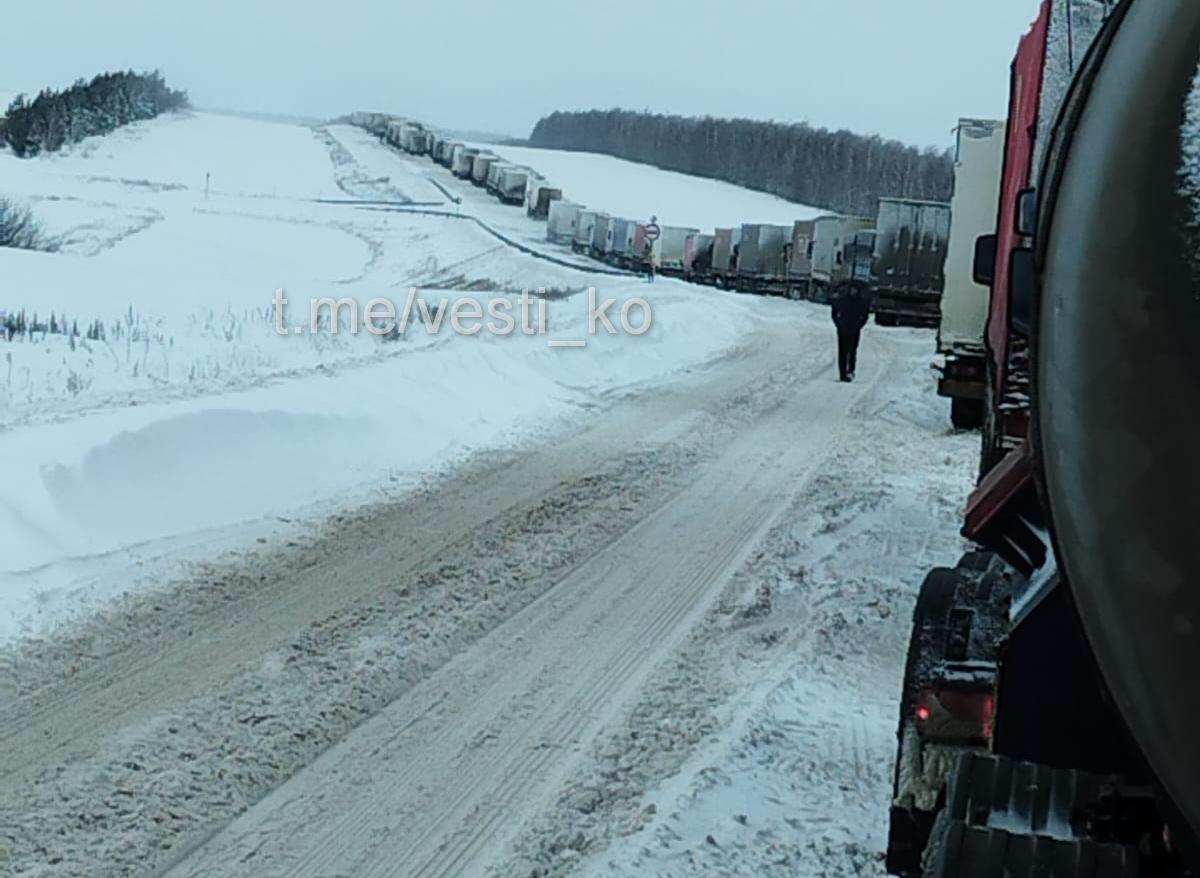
<point x="966" y="414"/>
<point x="957" y="850"/>
<point x="933" y="859"/>
<point x="909" y="827"/>
<point x="965" y="843"/>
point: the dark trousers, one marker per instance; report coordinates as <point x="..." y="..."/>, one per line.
<point x="848" y="351"/>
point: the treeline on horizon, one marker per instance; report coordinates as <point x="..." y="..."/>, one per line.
<point x="833" y="170"/>
<point x="55" y="118"/>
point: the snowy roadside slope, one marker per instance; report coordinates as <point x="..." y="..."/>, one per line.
<point x="638" y="191"/>
<point x="193" y="420"/>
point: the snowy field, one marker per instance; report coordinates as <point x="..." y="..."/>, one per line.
<point x="193" y="420"/>
<point x="639" y="191"/>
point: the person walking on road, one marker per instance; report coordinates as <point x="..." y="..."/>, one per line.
<point x="652" y="232"/>
<point x="849" y="310"/>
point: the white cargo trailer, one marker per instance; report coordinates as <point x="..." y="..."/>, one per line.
<point x="602" y="235"/>
<point x="670" y="248"/>
<point x="623" y="231"/>
<point x="411" y="133"/>
<point x="978" y="167"/>
<point x="562" y="220"/>
<point x="480" y="166"/>
<point x="585" y="227"/>
<point x="546" y="196"/>
<point x="510" y="186"/>
<point x="461" y="163"/>
<point x="532" y="182"/>
<point x="830" y="233"/>
<point x="493" y="175"/>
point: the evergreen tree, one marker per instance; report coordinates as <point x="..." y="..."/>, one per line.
<point x="54" y="119"/>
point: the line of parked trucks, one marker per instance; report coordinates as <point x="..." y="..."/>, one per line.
<point x="915" y="257"/>
<point x="899" y="254"/>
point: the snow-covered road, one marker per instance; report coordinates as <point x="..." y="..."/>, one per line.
<point x="634" y="610"/>
<point x="694" y="601"/>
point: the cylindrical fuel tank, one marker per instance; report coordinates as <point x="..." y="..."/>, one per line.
<point x="1117" y="374"/>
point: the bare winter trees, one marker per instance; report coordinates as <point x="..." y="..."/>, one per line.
<point x="836" y="170"/>
<point x="19" y="229"/>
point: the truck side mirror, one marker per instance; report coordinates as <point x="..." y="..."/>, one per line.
<point x="1022" y="287"/>
<point x="983" y="270"/>
<point x="1027" y="211"/>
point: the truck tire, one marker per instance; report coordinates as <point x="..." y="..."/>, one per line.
<point x="980" y="583"/>
<point x="957" y="850"/>
<point x="966" y="414"/>
<point x="908" y="828"/>
<point x="1029" y="800"/>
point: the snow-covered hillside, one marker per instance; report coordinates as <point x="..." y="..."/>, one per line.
<point x="193" y="415"/>
<point x="638" y="191"/>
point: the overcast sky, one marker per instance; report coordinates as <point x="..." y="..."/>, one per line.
<point x="901" y="68"/>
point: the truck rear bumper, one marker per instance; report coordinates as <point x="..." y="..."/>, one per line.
<point x="963" y="377"/>
<point x="896" y="311"/>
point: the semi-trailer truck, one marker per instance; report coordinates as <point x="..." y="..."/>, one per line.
<point x="979" y="160"/>
<point x="1049" y="703"/>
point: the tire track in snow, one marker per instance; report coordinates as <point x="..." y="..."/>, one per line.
<point x="442" y="796"/>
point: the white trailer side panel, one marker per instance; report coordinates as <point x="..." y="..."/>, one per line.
<point x="973" y="212"/>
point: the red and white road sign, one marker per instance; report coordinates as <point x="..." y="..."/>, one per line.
<point x="652" y="231"/>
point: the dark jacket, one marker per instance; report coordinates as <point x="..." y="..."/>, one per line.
<point x="850" y="312"/>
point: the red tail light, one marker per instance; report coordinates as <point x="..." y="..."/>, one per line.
<point x="956" y="716"/>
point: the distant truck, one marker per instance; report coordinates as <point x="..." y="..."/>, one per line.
<point x="799" y="258"/>
<point x="585" y="227"/>
<point x="623" y="233"/>
<point x="724" y="256"/>
<point x="601" y="236"/>
<point x="562" y="220"/>
<point x="492" y="184"/>
<point x="827" y="269"/>
<point x="441" y="148"/>
<point x="538" y="196"/>
<point x="454" y="152"/>
<point x="978" y="168"/>
<point x="910" y="258"/>
<point x="670" y="249"/>
<point x="858" y="256"/>
<point x="481" y="165"/>
<point x="697" y="257"/>
<point x="510" y="187"/>
<point x="462" y="160"/>
<point x="761" y="259"/>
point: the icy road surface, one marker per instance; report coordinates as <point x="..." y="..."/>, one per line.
<point x="639" y="610"/>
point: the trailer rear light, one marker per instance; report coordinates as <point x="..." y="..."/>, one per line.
<point x="956" y="716"/>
